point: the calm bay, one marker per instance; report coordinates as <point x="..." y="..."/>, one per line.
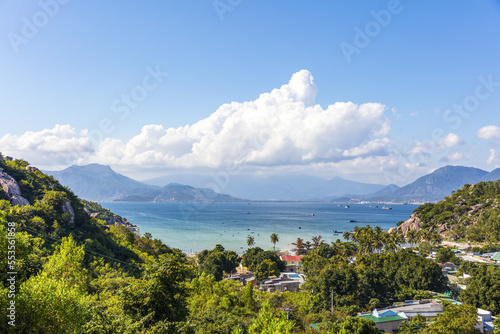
<point x="193" y="227"/>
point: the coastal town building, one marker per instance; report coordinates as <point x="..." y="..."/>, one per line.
<point x="388" y="320"/>
<point x="280" y="285"/>
<point x="448" y="268"/>
<point x="292" y="262"/>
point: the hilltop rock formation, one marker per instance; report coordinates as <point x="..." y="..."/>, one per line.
<point x="11" y="188"/>
<point x="413" y="223"/>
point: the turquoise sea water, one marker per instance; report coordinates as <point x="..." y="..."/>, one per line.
<point x="196" y="226"/>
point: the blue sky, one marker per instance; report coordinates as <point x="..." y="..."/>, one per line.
<point x="66" y="67"/>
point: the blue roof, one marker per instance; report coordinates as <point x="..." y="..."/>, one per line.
<point x="453" y="301"/>
<point x="388" y="313"/>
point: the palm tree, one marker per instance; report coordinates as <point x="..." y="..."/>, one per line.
<point x="412" y="237"/>
<point x="393" y="241"/>
<point x="299" y="247"/>
<point x="316" y="241"/>
<point x="307" y="246"/>
<point x="377" y="237"/>
<point x="250" y="241"/>
<point x="274" y="240"/>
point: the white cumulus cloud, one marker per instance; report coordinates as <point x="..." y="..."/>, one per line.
<point x="493" y="158"/>
<point x="451" y="140"/>
<point x="50" y="147"/>
<point x="489" y="132"/>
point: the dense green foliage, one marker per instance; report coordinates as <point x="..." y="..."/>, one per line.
<point x="218" y="262"/>
<point x="94" y="207"/>
<point x="483" y="289"/>
<point x="447" y="255"/>
<point x="471" y="212"/>
<point x="456" y="319"/>
<point x="386" y="277"/>
<point x="488" y="248"/>
<point x="253" y="258"/>
<point x="415" y="325"/>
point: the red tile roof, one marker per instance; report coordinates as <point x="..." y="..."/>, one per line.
<point x="292" y="258"/>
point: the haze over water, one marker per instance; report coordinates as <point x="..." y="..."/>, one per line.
<point x="198" y="226"/>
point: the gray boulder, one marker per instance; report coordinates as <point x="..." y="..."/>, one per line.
<point x="67" y="208"/>
<point x="19" y="200"/>
<point x="11" y="188"/>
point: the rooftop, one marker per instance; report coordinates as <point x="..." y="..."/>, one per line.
<point x="382" y="319"/>
<point x="292" y="258"/>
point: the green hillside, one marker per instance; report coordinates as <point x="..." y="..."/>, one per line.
<point x="471" y="213"/>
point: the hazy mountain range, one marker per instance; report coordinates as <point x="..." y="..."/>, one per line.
<point x="283" y="187"/>
<point x="100" y="183"/>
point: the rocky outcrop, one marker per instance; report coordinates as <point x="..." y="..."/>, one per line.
<point x="117" y="221"/>
<point x="32" y="169"/>
<point x="87" y="212"/>
<point x="11" y="188"/>
<point x="67" y="208"/>
<point x="475" y="208"/>
<point x="19" y="200"/>
<point x="414" y="223"/>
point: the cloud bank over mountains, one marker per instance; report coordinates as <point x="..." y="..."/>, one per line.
<point x="280" y="129"/>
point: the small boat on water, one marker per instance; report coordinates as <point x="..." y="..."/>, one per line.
<point x="347" y="206"/>
<point x="312" y="214"/>
<point x="386" y="208"/>
<point x="353" y="221"/>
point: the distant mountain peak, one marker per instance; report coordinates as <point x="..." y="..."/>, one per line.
<point x="93" y="167"/>
<point x="101" y="183"/>
<point x="434" y="186"/>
